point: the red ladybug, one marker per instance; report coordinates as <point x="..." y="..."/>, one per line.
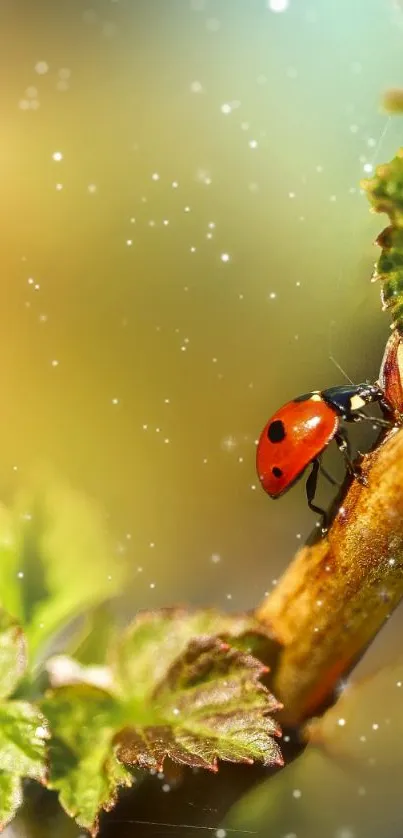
<point x="299" y="432"/>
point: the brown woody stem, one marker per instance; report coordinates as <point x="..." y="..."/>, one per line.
<point x="336" y="594"/>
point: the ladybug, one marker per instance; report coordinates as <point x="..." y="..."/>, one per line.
<point x="298" y="433"/>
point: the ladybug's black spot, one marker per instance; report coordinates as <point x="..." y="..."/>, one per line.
<point x="276" y="431"/>
<point x="303" y="398"/>
<point x="277" y="471"/>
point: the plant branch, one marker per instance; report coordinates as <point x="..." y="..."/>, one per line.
<point x="336" y="594"/>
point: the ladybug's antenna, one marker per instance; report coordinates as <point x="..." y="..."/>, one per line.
<point x="333" y="359"/>
<point x="343" y="372"/>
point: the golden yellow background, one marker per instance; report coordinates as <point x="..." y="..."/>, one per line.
<point x="183" y="244"/>
<point x="136" y="362"/>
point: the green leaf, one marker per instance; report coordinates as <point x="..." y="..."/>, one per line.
<point x="385" y="189"/>
<point x="161" y="636"/>
<point x="10" y="797"/>
<point x="178" y="691"/>
<point x="385" y="193"/>
<point x="83" y="764"/>
<point x="99" y="630"/>
<point x="23" y="735"/>
<point x="200" y="700"/>
<point x="210" y="706"/>
<point x="13" y="659"/>
<point x="52" y="538"/>
<point x="23" y="729"/>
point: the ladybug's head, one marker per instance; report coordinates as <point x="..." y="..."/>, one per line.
<point x="370" y="393"/>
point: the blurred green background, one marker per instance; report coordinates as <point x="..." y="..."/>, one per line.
<point x="134" y="361"/>
<point x="183" y="241"/>
<point x="183" y="245"/>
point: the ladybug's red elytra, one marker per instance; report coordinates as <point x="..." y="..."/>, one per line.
<point x="298" y="433"/>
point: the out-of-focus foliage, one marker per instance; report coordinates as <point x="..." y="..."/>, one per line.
<point x="173" y="684"/>
<point x="365" y="726"/>
<point x="84" y="768"/>
<point x="178" y="691"/>
<point x="353" y="762"/>
<point x="385" y="192"/>
<point x="392" y="101"/>
<point x="385" y="189"/>
<point x="23" y="729"/>
<point x="55" y="560"/>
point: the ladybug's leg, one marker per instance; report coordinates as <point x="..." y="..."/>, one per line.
<point x="311" y="484"/>
<point x="386" y="408"/>
<point x="343" y="444"/>
<point x="359" y="416"/>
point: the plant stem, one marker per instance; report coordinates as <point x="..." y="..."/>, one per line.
<point x="335" y="595"/>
